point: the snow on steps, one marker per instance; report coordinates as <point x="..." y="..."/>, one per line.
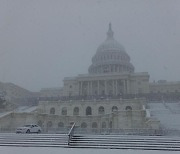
<point x="34" y="140"/>
<point x="92" y="141"/>
<point x="126" y="142"/>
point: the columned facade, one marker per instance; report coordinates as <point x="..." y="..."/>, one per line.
<point x="110" y="74"/>
<point x="107" y="85"/>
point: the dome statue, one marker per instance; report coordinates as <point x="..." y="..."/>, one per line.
<point x="110" y="57"/>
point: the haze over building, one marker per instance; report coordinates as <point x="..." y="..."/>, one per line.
<point x="108" y="97"/>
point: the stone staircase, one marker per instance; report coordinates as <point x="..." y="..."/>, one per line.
<point x="91" y="141"/>
<point x="126" y="142"/>
<point x="34" y="140"/>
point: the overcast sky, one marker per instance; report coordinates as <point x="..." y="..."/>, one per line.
<point x="43" y="41"/>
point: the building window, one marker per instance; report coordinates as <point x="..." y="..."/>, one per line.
<point x="70" y="94"/>
<point x="83" y="125"/>
<point x="60" y="124"/>
<point x="104" y="125"/>
<point x="88" y="111"/>
<point x="76" y="111"/>
<point x="114" y="108"/>
<point x="95" y="93"/>
<point x="139" y="90"/>
<point x="52" y="110"/>
<point x="103" y="92"/>
<point x="110" y="124"/>
<point x="94" y="125"/>
<point x="64" y="111"/>
<point x="49" y="124"/>
<point x="128" y="108"/>
<point x="110" y="92"/>
<point x="101" y="110"/>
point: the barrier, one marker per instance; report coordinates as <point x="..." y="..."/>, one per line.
<point x="71" y="133"/>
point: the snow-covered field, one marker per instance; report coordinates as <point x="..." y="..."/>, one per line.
<point x="167" y="113"/>
<point x="32" y="150"/>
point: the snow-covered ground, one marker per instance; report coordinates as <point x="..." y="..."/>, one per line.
<point x="4" y="114"/>
<point x="167" y="113"/>
<point x="32" y="150"/>
<point x="20" y="109"/>
<point x="26" y="109"/>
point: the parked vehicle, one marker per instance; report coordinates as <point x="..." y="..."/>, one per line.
<point x="32" y="128"/>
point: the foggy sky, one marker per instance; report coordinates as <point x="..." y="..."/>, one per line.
<point x="43" y="41"/>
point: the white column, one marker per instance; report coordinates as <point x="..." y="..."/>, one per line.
<point x="88" y="88"/>
<point x="116" y="87"/>
<point x="113" y="87"/>
<point x="81" y="87"/>
<point x="105" y="87"/>
<point x="127" y="85"/>
<point x="98" y="87"/>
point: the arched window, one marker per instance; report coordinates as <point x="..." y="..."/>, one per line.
<point x="94" y="125"/>
<point x="104" y="125"/>
<point x="128" y="108"/>
<point x="114" y="108"/>
<point x="64" y="111"/>
<point x="83" y="125"/>
<point x="52" y="110"/>
<point x="101" y="110"/>
<point x="88" y="111"/>
<point x="110" y="124"/>
<point x="60" y="124"/>
<point x="76" y="111"/>
<point x="49" y="124"/>
<point x="110" y="92"/>
<point x="103" y="92"/>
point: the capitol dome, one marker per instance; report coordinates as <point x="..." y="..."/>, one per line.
<point x="110" y="57"/>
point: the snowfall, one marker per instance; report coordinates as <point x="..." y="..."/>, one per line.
<point x="164" y="111"/>
<point x="37" y="150"/>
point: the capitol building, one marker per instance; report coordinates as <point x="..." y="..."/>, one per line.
<point x="112" y="96"/>
<point x="97" y="100"/>
<point x="110" y="74"/>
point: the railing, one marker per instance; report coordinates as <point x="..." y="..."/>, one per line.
<point x="144" y="132"/>
<point x="71" y="133"/>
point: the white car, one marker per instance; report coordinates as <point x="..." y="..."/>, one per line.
<point x="29" y="129"/>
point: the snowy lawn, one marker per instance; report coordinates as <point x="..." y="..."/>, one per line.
<point x="37" y="150"/>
